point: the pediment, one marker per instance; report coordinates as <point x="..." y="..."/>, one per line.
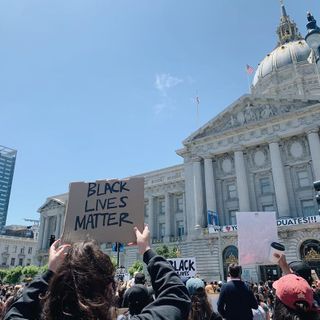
<point x="249" y="110"/>
<point x="51" y="203"/>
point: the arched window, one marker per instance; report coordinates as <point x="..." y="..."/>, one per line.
<point x="310" y="252"/>
<point x="229" y="255"/>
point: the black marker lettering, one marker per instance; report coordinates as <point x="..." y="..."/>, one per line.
<point x="123" y="202"/>
<point x="91" y="189"/>
<point x="123" y="217"/>
<point x="80" y="224"/>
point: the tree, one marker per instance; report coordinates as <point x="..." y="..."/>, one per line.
<point x="3" y="273"/>
<point x="167" y="252"/>
<point x="136" y="267"/>
<point x="13" y="275"/>
<point x="29" y="272"/>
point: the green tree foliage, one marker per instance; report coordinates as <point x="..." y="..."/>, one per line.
<point x="13" y="275"/>
<point x="29" y="272"/>
<point x="136" y="267"/>
<point x="167" y="252"/>
<point x="3" y="273"/>
<point x="21" y="274"/>
<point x="43" y="268"/>
<point x="114" y="261"/>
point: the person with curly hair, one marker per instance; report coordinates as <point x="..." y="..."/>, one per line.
<point x="79" y="285"/>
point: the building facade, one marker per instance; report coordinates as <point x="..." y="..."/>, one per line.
<point x="7" y="164"/>
<point x="18" y="246"/>
<point x="262" y="153"/>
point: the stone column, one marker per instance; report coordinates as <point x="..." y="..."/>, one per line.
<point x="58" y="224"/>
<point x="198" y="193"/>
<point x="314" y="143"/>
<point x="153" y="233"/>
<point x="41" y="231"/>
<point x="242" y="182"/>
<point x="210" y="185"/>
<point x="184" y="215"/>
<point x="45" y="233"/>
<point x="279" y="181"/>
<point x="168" y="232"/>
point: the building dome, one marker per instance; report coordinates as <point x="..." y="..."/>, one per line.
<point x="287" y="71"/>
<point x="296" y="52"/>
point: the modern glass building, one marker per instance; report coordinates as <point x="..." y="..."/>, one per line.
<point x="7" y="163"/>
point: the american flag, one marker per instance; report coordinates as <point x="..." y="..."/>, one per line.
<point x="197" y="100"/>
<point x="249" y="69"/>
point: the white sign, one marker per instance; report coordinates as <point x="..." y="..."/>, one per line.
<point x="184" y="267"/>
<point x="256" y="231"/>
<point x="295" y="221"/>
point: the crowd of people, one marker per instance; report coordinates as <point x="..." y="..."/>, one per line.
<point x="80" y="284"/>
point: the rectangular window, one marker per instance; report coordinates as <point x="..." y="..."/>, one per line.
<point x="308" y="208"/>
<point x="162" y="230"/>
<point x="179" y="204"/>
<point x="232" y="191"/>
<point x="22" y="250"/>
<point x="14" y="249"/>
<point x="13" y="261"/>
<point x="265" y="185"/>
<point x="30" y="250"/>
<point x="303" y="178"/>
<point x="162" y="206"/>
<point x="232" y="216"/>
<point x="180" y="228"/>
<point x="20" y="262"/>
<point x="4" y="261"/>
<point x="268" y="208"/>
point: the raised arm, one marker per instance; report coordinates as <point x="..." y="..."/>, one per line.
<point x="172" y="298"/>
<point x="28" y="305"/>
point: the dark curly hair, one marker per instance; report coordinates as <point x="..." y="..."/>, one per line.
<point x="201" y="308"/>
<point x="83" y="287"/>
<point x="282" y="312"/>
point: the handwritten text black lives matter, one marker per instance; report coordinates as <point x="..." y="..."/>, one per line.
<point x="105" y="206"/>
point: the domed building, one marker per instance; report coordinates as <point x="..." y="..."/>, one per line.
<point x="287" y="70"/>
<point x="262" y="153"/>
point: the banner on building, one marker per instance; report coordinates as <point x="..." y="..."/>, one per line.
<point x="105" y="210"/>
<point x="184" y="267"/>
<point x="212" y="218"/>
<point x="280" y="223"/>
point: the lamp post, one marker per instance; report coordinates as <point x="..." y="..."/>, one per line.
<point x="313" y="37"/>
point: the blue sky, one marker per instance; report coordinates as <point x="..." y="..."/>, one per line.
<point x="99" y="89"/>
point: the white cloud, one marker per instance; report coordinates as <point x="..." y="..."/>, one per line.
<point x="165" y="81"/>
<point x="159" y="108"/>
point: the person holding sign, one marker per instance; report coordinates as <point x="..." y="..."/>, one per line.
<point x="80" y="285"/>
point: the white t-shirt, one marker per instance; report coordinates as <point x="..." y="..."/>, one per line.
<point x="259" y="314"/>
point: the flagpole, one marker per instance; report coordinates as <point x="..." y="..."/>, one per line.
<point x="249" y="70"/>
<point x="248" y="79"/>
<point x="197" y="100"/>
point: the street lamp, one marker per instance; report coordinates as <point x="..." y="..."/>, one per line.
<point x="313" y="37"/>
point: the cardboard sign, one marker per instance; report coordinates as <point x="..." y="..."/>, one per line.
<point x="105" y="211"/>
<point x="184" y="267"/>
<point x="256" y="231"/>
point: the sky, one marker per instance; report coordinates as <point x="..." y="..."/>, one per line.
<point x="97" y="89"/>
